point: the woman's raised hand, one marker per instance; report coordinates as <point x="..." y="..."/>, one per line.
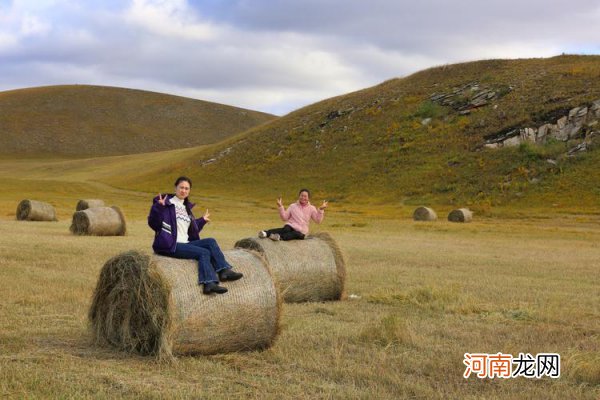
<point x="280" y="202"/>
<point x="324" y="205"/>
<point x="206" y="216"/>
<point x="161" y="200"/>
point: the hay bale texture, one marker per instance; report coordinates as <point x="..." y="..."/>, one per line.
<point x="460" y="215"/>
<point x="32" y="210"/>
<point x="88" y="203"/>
<point x="153" y="305"/>
<point x="424" y="214"/>
<point x="312" y="269"/>
<point x="99" y="221"/>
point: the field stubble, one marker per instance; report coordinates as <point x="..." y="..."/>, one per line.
<point x="423" y="294"/>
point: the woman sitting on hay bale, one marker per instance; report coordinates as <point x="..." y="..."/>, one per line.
<point x="177" y="234"/>
<point x="297" y="216"/>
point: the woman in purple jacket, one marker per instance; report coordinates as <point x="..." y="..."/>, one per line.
<point x="177" y="234"/>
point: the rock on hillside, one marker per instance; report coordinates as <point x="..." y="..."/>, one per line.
<point x="81" y="120"/>
<point x="578" y="127"/>
<point x="421" y="139"/>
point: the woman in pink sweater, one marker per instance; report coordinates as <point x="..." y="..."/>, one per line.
<point x="296" y="218"/>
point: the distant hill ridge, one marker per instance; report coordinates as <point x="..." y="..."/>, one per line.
<point x="84" y="120"/>
<point x="421" y="140"/>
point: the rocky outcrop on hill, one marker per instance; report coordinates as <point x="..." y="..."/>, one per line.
<point x="336" y="114"/>
<point x="579" y="124"/>
<point x="468" y="97"/>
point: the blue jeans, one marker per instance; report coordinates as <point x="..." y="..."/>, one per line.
<point x="210" y="258"/>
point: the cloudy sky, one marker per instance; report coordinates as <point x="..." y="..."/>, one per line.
<point x="278" y="55"/>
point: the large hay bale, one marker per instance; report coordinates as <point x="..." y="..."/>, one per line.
<point x="424" y="214"/>
<point x="99" y="221"/>
<point x="32" y="210"/>
<point x="460" y="215"/>
<point x="312" y="269"/>
<point x="88" y="203"/>
<point x="153" y="305"/>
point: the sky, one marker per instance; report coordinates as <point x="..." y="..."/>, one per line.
<point x="274" y="56"/>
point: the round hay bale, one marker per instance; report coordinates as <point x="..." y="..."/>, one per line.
<point x="88" y="203"/>
<point x="32" y="210"/>
<point x="99" y="221"/>
<point x="460" y="215"/>
<point x="424" y="214"/>
<point x="312" y="269"/>
<point x="153" y="305"/>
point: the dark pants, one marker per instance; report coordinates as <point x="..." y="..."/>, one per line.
<point x="286" y="233"/>
<point x="210" y="258"/>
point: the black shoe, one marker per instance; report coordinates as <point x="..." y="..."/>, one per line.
<point x="213" y="288"/>
<point x="229" y="275"/>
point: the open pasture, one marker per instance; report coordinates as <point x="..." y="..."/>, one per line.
<point x="420" y="295"/>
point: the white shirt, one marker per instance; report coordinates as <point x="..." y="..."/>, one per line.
<point x="183" y="220"/>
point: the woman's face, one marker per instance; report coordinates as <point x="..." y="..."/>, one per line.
<point x="303" y="198"/>
<point x="182" y="190"/>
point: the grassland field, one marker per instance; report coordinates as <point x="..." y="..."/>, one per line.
<point x="423" y="295"/>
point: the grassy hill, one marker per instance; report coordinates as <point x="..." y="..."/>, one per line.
<point x="391" y="147"/>
<point x="419" y="295"/>
<point x="397" y="144"/>
<point x="81" y="120"/>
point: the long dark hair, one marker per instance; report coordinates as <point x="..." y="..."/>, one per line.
<point x="187" y="200"/>
<point x="183" y="179"/>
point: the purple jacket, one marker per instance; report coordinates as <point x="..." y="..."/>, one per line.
<point x="164" y="223"/>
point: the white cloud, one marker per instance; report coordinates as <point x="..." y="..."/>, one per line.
<point x="32" y="25"/>
<point x="511" y="50"/>
<point x="171" y="18"/>
<point x="273" y="56"/>
<point x="7" y="41"/>
<point x="274" y="101"/>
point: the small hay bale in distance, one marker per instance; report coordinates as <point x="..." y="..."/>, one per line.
<point x="424" y="214"/>
<point x="32" y="210"/>
<point x="153" y="305"/>
<point x="99" y="221"/>
<point x="312" y="269"/>
<point x="88" y="203"/>
<point x="460" y="215"/>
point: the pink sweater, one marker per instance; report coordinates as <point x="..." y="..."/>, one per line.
<point x="298" y="216"/>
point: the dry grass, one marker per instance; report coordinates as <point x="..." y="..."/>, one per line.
<point x="306" y="270"/>
<point x="375" y="149"/>
<point x="423" y="296"/>
<point x="424" y="214"/>
<point x="33" y="210"/>
<point x="83" y="120"/>
<point x="419" y="297"/>
<point x="88" y="203"/>
<point x="154" y="306"/>
<point x="460" y="215"/>
<point x="130" y="308"/>
<point x="99" y="221"/>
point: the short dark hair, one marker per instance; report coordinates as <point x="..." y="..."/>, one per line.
<point x="304" y="190"/>
<point x="183" y="179"/>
